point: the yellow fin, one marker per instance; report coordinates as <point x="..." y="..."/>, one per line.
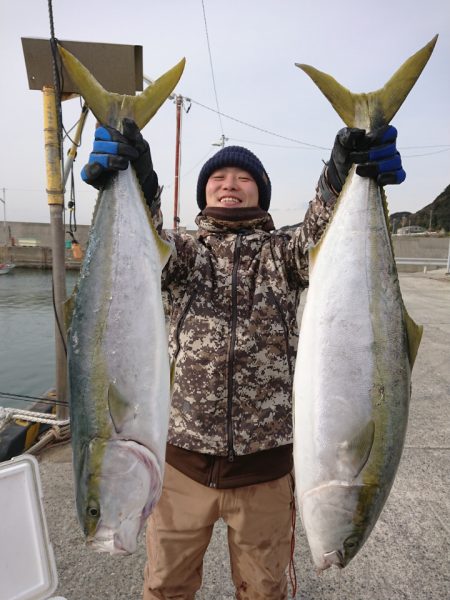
<point x="120" y="409"/>
<point x="354" y="453"/>
<point x="164" y="249"/>
<point x="172" y="374"/>
<point x="68" y="308"/>
<point x="110" y="108"/>
<point x="373" y="109"/>
<point x="414" y="334"/>
<point x="314" y="253"/>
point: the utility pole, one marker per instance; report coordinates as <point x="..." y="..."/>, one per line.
<point x="3" y="200"/>
<point x="176" y="218"/>
<point x="431" y="218"/>
<point x="178" y="99"/>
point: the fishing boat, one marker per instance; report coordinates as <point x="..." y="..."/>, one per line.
<point x="6" y="268"/>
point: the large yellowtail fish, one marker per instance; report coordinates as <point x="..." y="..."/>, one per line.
<point x="356" y="349"/>
<point x="118" y="363"/>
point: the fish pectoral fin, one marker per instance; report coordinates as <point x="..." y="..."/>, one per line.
<point x="414" y="334"/>
<point x="68" y="308"/>
<point x="354" y="452"/>
<point x="172" y="374"/>
<point x="313" y="253"/>
<point x="164" y="250"/>
<point x="120" y="409"/>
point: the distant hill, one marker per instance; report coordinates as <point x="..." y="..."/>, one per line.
<point x="438" y="210"/>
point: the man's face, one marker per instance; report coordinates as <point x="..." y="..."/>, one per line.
<point x="231" y="187"/>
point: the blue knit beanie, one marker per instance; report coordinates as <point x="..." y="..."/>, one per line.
<point x="235" y="156"/>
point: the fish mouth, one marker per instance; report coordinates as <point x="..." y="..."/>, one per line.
<point x="110" y="544"/>
<point x="335" y="557"/>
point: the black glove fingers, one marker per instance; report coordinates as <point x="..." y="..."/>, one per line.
<point x="130" y="131"/>
<point x="383" y="135"/>
<point x="375" y="153"/>
<point x="115" y="148"/>
<point x="350" y="138"/>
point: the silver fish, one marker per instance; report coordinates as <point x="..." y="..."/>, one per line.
<point x="118" y="365"/>
<point x="356" y="349"/>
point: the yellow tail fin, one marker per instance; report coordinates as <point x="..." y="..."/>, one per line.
<point x="110" y="108"/>
<point x="373" y="109"/>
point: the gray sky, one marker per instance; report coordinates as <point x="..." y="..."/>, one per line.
<point x="254" y="45"/>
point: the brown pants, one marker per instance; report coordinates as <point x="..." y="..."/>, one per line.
<point x="259" y="521"/>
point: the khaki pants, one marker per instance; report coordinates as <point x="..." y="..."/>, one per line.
<point x="259" y="520"/>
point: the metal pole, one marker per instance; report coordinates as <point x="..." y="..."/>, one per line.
<point x="55" y="197"/>
<point x="72" y="154"/>
<point x="176" y="220"/>
<point x="4" y="216"/>
<point x="448" y="259"/>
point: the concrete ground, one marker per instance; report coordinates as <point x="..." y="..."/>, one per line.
<point x="407" y="554"/>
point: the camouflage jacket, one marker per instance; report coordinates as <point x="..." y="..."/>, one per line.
<point x="233" y="294"/>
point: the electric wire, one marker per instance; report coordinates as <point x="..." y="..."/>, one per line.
<point x="283" y="137"/>
<point x="26" y="398"/>
<point x="212" y="70"/>
<point x="252" y="142"/>
<point x="58" y="84"/>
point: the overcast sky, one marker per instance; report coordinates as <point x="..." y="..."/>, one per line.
<point x="254" y="45"/>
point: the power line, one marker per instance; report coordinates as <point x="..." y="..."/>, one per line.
<point x="426" y="153"/>
<point x="283" y="137"/>
<point x="212" y="70"/>
<point x="273" y="145"/>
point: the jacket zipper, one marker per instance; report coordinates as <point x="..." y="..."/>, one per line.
<point x="181" y="322"/>
<point x="211" y="479"/>
<point x="285" y="328"/>
<point x="236" y="260"/>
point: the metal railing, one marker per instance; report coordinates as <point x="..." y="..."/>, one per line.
<point x="435" y="262"/>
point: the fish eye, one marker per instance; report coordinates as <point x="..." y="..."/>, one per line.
<point x="351" y="543"/>
<point x="93" y="511"/>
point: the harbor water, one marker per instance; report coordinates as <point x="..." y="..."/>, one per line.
<point x="27" y="334"/>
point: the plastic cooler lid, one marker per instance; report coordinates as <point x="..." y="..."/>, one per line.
<point x="27" y="564"/>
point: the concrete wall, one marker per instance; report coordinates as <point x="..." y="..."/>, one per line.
<point x="420" y="246"/>
<point x="38" y="231"/>
<point x="405" y="246"/>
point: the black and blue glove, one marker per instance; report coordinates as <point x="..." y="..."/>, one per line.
<point x="375" y="153"/>
<point x="113" y="151"/>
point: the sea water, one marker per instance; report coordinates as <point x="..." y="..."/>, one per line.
<point x="27" y="334"/>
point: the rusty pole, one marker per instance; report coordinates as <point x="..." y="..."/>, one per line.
<point x="176" y="219"/>
<point x="55" y="197"/>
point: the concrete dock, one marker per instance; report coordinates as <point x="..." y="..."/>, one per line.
<point x="407" y="556"/>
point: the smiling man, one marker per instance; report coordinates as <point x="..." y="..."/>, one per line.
<point x="233" y="293"/>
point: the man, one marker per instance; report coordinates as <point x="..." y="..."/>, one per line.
<point x="233" y="295"/>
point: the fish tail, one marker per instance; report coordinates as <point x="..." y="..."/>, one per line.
<point x="110" y="108"/>
<point x="373" y="109"/>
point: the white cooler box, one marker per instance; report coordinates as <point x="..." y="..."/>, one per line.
<point x="27" y="564"/>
